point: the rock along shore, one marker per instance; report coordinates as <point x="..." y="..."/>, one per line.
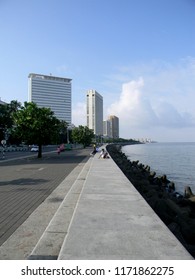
<point x="175" y="210"/>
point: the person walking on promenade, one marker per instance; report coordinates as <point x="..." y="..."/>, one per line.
<point x="58" y="150"/>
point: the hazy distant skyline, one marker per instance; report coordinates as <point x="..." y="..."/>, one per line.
<point x="139" y="55"/>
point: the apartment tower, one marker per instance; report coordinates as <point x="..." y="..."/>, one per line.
<point x="51" y="92"/>
<point x="95" y="112"/>
<point x="114" y="126"/>
<point x="107" y="129"/>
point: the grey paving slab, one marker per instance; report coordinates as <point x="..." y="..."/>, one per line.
<point x="24" y="185"/>
<point x="113" y="221"/>
<point x="49" y="245"/>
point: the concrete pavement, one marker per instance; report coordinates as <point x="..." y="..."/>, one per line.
<point x="99" y="215"/>
<point x="113" y="221"/>
<point x="30" y="194"/>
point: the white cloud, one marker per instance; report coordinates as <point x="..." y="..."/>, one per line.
<point x="132" y="108"/>
<point x="169" y="116"/>
<point x="137" y="112"/>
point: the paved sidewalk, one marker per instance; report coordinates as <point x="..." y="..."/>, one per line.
<point x="24" y="185"/>
<point x="113" y="221"/>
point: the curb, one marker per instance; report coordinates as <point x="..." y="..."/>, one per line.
<point x="50" y="243"/>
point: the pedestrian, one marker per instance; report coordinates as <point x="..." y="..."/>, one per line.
<point x="94" y="151"/>
<point x="58" y="150"/>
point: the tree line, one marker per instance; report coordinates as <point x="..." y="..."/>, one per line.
<point x="30" y="124"/>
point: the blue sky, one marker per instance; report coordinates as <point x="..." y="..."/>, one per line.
<point x="138" y="54"/>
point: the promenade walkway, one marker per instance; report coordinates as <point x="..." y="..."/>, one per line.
<point x="100" y="216"/>
<point x="28" y="197"/>
<point x="113" y="221"/>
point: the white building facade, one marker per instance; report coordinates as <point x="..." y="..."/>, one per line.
<point x="95" y="111"/>
<point x="51" y="92"/>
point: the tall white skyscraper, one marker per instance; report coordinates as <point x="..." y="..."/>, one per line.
<point x="95" y="111"/>
<point x="51" y="92"/>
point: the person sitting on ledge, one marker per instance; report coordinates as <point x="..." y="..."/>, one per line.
<point x="103" y="154"/>
<point x="94" y="151"/>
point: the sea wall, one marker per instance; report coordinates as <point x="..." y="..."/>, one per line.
<point x="175" y="210"/>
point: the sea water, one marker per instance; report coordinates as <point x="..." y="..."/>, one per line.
<point x="176" y="160"/>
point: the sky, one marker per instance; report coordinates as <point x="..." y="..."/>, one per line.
<point x="138" y="54"/>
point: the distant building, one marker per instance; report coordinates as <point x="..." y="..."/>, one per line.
<point x="106" y="129"/>
<point x="111" y="127"/>
<point x="95" y="111"/>
<point x="51" y="92"/>
<point x="114" y="126"/>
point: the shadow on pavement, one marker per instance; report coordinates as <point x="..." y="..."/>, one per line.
<point x="23" y="182"/>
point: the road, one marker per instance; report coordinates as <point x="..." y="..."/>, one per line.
<point x="27" y="181"/>
<point x="19" y="154"/>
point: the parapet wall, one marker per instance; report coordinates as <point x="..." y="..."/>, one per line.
<point x="177" y="212"/>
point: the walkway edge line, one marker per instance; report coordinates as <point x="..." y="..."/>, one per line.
<point x="49" y="245"/>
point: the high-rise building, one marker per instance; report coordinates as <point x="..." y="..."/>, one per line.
<point x="114" y="126"/>
<point x="51" y="92"/>
<point x="95" y="112"/>
<point x="107" y="129"/>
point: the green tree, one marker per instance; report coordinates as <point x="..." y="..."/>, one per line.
<point x="36" y="125"/>
<point x="63" y="131"/>
<point x="82" y="135"/>
<point x="7" y="112"/>
<point x="3" y="120"/>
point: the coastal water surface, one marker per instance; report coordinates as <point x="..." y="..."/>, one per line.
<point x="176" y="160"/>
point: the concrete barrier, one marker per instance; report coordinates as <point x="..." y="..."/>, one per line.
<point x="113" y="221"/>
